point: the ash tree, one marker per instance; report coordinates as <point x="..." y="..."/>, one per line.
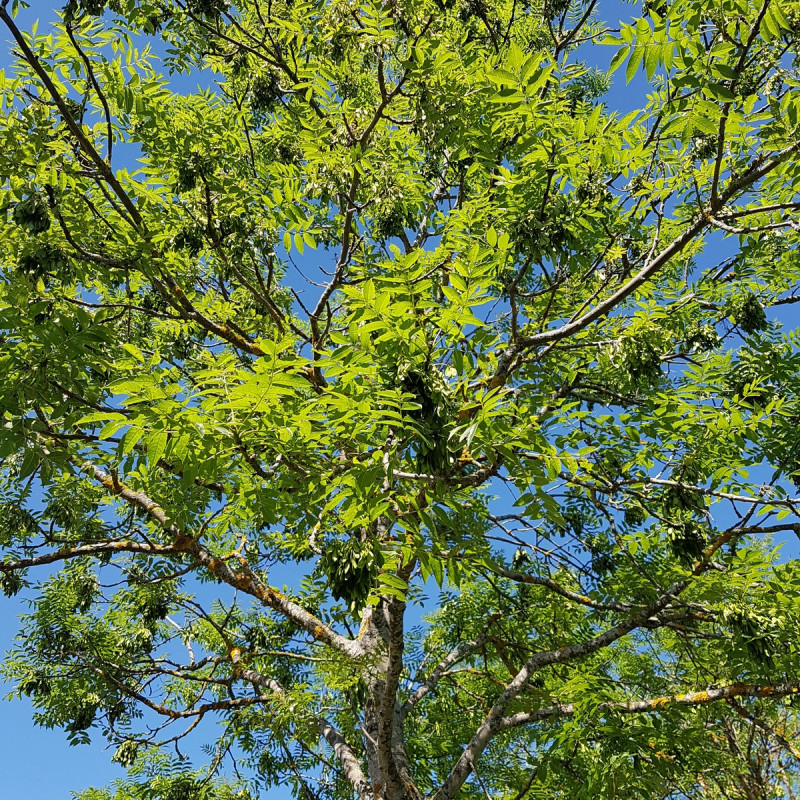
<point x="385" y="408"/>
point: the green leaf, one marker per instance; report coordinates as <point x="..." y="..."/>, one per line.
<point x="31" y="460"/>
<point x="618" y="58"/>
<point x="502" y="77"/>
<point x="107" y="431"/>
<point x="725" y="71"/>
<point x="633" y="62"/>
<point x="156" y="444"/>
<point x="721" y="92"/>
<point x="130" y="440"/>
<point x="134" y="351"/>
<point x="652" y="58"/>
<point x="703" y="124"/>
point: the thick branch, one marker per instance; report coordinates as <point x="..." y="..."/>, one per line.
<point x="562" y="655"/>
<point x="244" y="580"/>
<point x="490" y="727"/>
<point x="655" y="705"/>
<point x="441" y="669"/>
<point x="757" y="171"/>
<point x="96" y="548"/>
<point x="198" y="711"/>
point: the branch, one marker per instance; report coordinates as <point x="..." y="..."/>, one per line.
<point x="98" y="91"/>
<point x="463" y="650"/>
<point x="575" y="597"/>
<point x="788" y="502"/>
<point x="770" y="731"/>
<point x="386" y="99"/>
<point x="601" y="309"/>
<point x="175" y="295"/>
<point x="344" y="255"/>
<point x="244" y="580"/>
<point x="171" y="713"/>
<point x="75" y="129"/>
<point x="490" y="727"/>
<point x="121" y="546"/>
<point x="657" y="704"/>
<point x="570" y="35"/>
<point x="758" y="170"/>
<point x="344" y="752"/>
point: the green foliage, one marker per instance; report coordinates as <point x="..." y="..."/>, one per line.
<point x="392" y="393"/>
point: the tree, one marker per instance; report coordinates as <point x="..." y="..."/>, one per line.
<point x="394" y="401"/>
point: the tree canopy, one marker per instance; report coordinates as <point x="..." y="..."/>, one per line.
<point x="386" y="408"/>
